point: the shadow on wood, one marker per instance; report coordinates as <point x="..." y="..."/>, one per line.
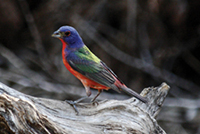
<point x="24" y="114"/>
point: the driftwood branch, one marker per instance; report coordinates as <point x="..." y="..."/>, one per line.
<point x="24" y="114"/>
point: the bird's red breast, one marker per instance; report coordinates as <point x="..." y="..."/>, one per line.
<point x="85" y="81"/>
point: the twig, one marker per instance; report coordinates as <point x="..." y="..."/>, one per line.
<point x="144" y="43"/>
<point x="34" y="33"/>
<point x="183" y="103"/>
<point x="131" y="19"/>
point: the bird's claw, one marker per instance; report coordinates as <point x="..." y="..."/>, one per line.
<point x="73" y="104"/>
<point x="95" y="103"/>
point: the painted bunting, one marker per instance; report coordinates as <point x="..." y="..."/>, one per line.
<point x="88" y="68"/>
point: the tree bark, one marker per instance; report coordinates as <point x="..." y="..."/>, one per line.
<point x="24" y="114"/>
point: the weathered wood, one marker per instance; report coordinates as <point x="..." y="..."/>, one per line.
<point x="24" y="114"/>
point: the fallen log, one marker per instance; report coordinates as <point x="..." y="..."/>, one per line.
<point x="24" y="114"/>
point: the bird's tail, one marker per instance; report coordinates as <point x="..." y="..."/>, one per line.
<point x="136" y="95"/>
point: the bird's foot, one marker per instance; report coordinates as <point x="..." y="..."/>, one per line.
<point x="74" y="103"/>
<point x="95" y="103"/>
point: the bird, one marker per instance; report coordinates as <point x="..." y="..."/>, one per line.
<point x="87" y="67"/>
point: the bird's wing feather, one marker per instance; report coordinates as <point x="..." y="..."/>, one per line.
<point x="86" y="63"/>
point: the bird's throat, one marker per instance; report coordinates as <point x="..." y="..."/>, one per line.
<point x="63" y="43"/>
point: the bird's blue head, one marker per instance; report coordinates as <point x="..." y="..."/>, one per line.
<point x="70" y="36"/>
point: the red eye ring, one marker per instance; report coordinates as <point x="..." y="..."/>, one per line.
<point x="67" y="33"/>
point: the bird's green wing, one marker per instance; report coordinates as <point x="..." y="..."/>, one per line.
<point x="86" y="63"/>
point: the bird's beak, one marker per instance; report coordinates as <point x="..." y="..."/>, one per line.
<point x="57" y="34"/>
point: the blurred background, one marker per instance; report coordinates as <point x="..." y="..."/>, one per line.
<point x="145" y="42"/>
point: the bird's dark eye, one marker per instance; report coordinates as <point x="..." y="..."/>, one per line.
<point x="67" y="33"/>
